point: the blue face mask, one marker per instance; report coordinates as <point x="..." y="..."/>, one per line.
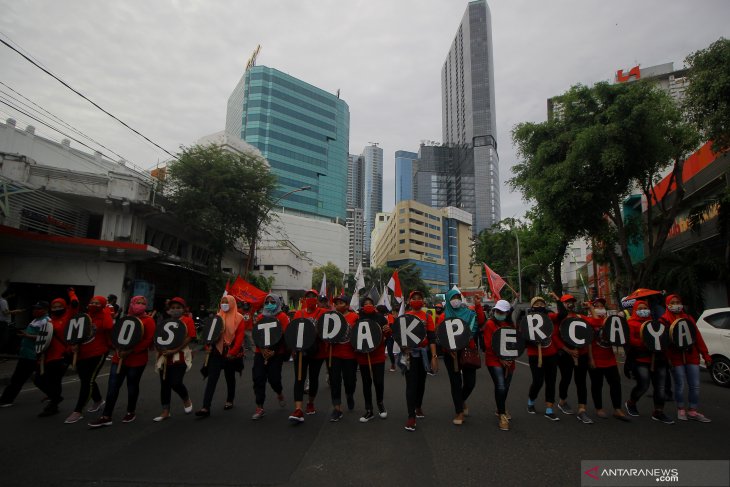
<point x="500" y="316"/>
<point x="270" y="307"/>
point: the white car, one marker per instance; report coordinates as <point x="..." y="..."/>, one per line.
<point x="714" y="324"/>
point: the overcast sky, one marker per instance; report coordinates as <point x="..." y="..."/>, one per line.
<point x="168" y="67"/>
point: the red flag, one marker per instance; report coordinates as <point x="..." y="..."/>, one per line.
<point x="242" y="290"/>
<point x="394" y="285"/>
<point x="496" y="283"/>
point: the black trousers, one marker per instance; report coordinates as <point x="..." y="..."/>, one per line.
<point x="568" y="371"/>
<point x="87" y="370"/>
<point x="614" y="385"/>
<point x="266" y="372"/>
<point x="415" y="385"/>
<point x="173" y="381"/>
<point x="310" y="369"/>
<point x="217" y="364"/>
<point x="462" y="381"/>
<point x="24" y="368"/>
<point x="644" y="377"/>
<point x="389" y="347"/>
<point x="50" y="381"/>
<point x="342" y="370"/>
<point x="116" y="380"/>
<point x="378" y="378"/>
<point x="547" y="374"/>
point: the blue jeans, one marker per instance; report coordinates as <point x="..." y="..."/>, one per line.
<point x="691" y="375"/>
<point x="502" y="380"/>
<point x="646" y="377"/>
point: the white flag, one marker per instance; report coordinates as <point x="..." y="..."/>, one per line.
<point x="359" y="284"/>
<point x="323" y="287"/>
<point x="385" y="300"/>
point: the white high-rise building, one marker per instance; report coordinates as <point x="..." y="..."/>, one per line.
<point x="373" y="189"/>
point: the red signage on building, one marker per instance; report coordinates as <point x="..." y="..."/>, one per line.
<point x="634" y="73"/>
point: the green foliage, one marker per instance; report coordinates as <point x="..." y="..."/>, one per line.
<point x="262" y="282"/>
<point x="707" y="98"/>
<point x="334" y="277"/>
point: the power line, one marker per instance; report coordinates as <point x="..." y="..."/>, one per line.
<point x="85" y="98"/>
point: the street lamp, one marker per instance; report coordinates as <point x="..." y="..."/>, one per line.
<point x="252" y="244"/>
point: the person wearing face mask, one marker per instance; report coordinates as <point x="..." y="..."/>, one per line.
<point x="603" y="365"/>
<point x="267" y="363"/>
<point x="133" y="365"/>
<point x="246" y="310"/>
<point x="91" y="356"/>
<point x="415" y="372"/>
<point x="685" y="364"/>
<point x="177" y="361"/>
<point x="343" y="367"/>
<point x="543" y="365"/>
<point x="376" y="363"/>
<point x="646" y="371"/>
<point x="223" y="356"/>
<point x="501" y="371"/>
<point x="311" y="364"/>
<point x="26" y="363"/>
<point x="462" y="379"/>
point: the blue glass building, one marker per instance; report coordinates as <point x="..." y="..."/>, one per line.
<point x="404" y="162"/>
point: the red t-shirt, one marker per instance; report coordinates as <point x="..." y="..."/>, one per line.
<point x="559" y="343"/>
<point x="179" y="357"/>
<point x="99" y="344"/>
<point x="602" y="356"/>
<point x="490" y="358"/>
<point x="691" y="356"/>
<point x="345" y="350"/>
<point x="377" y="356"/>
<point x="284" y="321"/>
<point x="140" y="353"/>
<point x="430" y="326"/>
<point x="550" y="349"/>
<point x="58" y="346"/>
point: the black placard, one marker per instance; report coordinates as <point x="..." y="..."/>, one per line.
<point x="655" y="335"/>
<point x="409" y="331"/>
<point x="576" y="332"/>
<point x="127" y="332"/>
<point x="79" y="329"/>
<point x="507" y="343"/>
<point x="682" y="334"/>
<point x="366" y="335"/>
<point x="267" y="332"/>
<point x="453" y="334"/>
<point x="212" y="329"/>
<point x="170" y="334"/>
<point x="44" y="337"/>
<point x="615" y="331"/>
<point x="333" y="327"/>
<point x="300" y="334"/>
<point x="537" y="328"/>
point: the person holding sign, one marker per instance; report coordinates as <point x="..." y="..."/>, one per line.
<point x="684" y="358"/>
<point x="311" y="362"/>
<point x="462" y="379"/>
<point x="416" y="370"/>
<point x="267" y="362"/>
<point x="26" y="363"/>
<point x="177" y="360"/>
<point x="372" y="364"/>
<point x="223" y="354"/>
<point x="649" y="366"/>
<point x="128" y="365"/>
<point x="500" y="370"/>
<point x="543" y="358"/>
<point x="343" y="367"/>
<point x="91" y="357"/>
<point x="603" y="365"/>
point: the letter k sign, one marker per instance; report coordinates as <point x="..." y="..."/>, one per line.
<point x="592" y="473"/>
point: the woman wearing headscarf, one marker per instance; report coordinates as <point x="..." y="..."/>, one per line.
<point x="131" y="369"/>
<point x="267" y="362"/>
<point x="462" y="379"/>
<point x="91" y="356"/>
<point x="685" y="364"/>
<point x="223" y="356"/>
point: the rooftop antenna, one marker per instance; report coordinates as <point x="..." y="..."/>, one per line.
<point x="252" y="60"/>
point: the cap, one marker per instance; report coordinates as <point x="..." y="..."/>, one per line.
<point x="567" y="297"/>
<point x="536" y="299"/>
<point x="41" y="305"/>
<point x="502" y="306"/>
<point x="342" y="297"/>
<point x="600" y="300"/>
<point x="179" y="300"/>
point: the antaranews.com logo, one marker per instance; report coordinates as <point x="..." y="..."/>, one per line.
<point x="641" y="473"/>
<point x="664" y="475"/>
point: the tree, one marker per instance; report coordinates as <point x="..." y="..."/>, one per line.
<point x="220" y="193"/>
<point x="262" y="282"/>
<point x="707" y="98"/>
<point x="334" y="277"/>
<point x="408" y="275"/>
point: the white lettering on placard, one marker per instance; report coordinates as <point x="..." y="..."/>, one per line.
<point x="535" y="322"/>
<point x="453" y="328"/>
<point x="405" y="332"/>
<point x="509" y="336"/>
<point x="167" y="328"/>
<point x="571" y="332"/>
<point x="684" y="336"/>
<point x="656" y="334"/>
<point x="212" y="329"/>
<point x="266" y="327"/>
<point x="75" y="329"/>
<point x="300" y="336"/>
<point x="331" y="326"/>
<point x="126" y="331"/>
<point x="364" y="335"/>
<point x="616" y="328"/>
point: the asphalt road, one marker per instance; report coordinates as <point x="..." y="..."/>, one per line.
<point x="230" y="449"/>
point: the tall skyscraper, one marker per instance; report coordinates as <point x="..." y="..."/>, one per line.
<point x="303" y="131"/>
<point x="355" y="213"/>
<point x="355" y="181"/>
<point x="468" y="117"/>
<point x="404" y="172"/>
<point x="373" y="189"/>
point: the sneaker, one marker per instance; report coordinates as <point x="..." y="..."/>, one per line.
<point x="565" y="408"/>
<point x="551" y="416"/>
<point x="103" y="421"/>
<point x="297" y="416"/>
<point x="188" y="409"/>
<point x="96" y="407"/>
<point x="310" y="408"/>
<point x="367" y="416"/>
<point x="506" y="413"/>
<point x="682" y="414"/>
<point x="622" y="417"/>
<point x="458" y="420"/>
<point x="531" y="409"/>
<point x="602" y="414"/>
<point x="411" y="424"/>
<point x="431" y="373"/>
<point x="392" y="368"/>
<point x="503" y="422"/>
<point x="631" y="409"/>
<point x="584" y="418"/>
<point x="5" y="404"/>
<point x="382" y="412"/>
<point x="419" y="413"/>
<point x="258" y="414"/>
<point x="699" y="417"/>
<point x="74" y="418"/>
<point x="202" y="413"/>
<point x="661" y="417"/>
<point x="350" y="402"/>
<point x="282" y="400"/>
<point x="129" y="417"/>
<point x="336" y="415"/>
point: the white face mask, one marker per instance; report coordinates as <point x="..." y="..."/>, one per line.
<point x="225" y="307"/>
<point x="600" y="311"/>
<point x="455" y="303"/>
<point x="676" y="308"/>
<point x="642" y="313"/>
<point x="175" y="313"/>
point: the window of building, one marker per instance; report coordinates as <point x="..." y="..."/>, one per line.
<point x="268" y="267"/>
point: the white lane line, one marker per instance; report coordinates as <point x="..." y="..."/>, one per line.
<point x="66" y="382"/>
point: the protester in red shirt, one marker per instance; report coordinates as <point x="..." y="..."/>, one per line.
<point x="501" y="371"/>
<point x="372" y="365"/>
<point x="247" y="311"/>
<point x="417" y="359"/>
<point x="177" y="360"/>
<point x="267" y="363"/>
<point x="603" y="364"/>
<point x="343" y="367"/>
<point x="685" y="364"/>
<point x="543" y="364"/>
<point x="132" y="366"/>
<point x="91" y="357"/>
